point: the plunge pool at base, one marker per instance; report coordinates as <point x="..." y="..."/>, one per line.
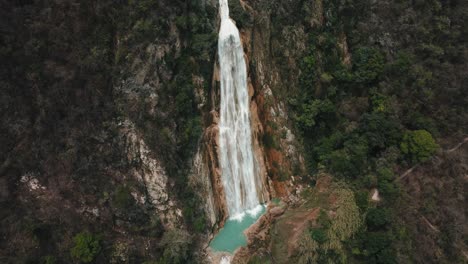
<point x="231" y="236"/>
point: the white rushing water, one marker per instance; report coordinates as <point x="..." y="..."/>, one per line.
<point x="225" y="260"/>
<point x="237" y="161"/>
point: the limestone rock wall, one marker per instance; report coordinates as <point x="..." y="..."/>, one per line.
<point x="151" y="174"/>
<point x="277" y="151"/>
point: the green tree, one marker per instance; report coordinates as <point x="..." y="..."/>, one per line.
<point x="378" y="248"/>
<point x="418" y="145"/>
<point x="310" y="111"/>
<point x="87" y="247"/>
<point x="319" y="235"/>
<point x="380" y="131"/>
<point x="351" y="160"/>
<point x="386" y="185"/>
<point x="377" y="218"/>
<point x="368" y="65"/>
<point x="376" y="242"/>
<point x="238" y="13"/>
<point x="362" y="200"/>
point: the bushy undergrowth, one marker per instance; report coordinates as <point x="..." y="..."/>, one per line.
<point x="86" y="248"/>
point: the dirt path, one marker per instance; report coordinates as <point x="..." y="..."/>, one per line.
<point x="457" y="146"/>
<point x="297" y="225"/>
<point x="407" y="172"/>
<point x="435" y="229"/>
<point x="288" y="230"/>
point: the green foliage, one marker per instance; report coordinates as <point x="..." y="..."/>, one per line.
<point x="431" y="50"/>
<point x="327" y="144"/>
<point x="238" y="13"/>
<point x="386" y="185"/>
<point x="409" y="92"/>
<point x="259" y="260"/>
<point x="402" y="64"/>
<point x="270" y="141"/>
<point x="377" y="218"/>
<point x="283" y="175"/>
<point x="86" y="248"/>
<point x="368" y="181"/>
<point x="142" y="29"/>
<point x="368" y="65"/>
<point x="310" y="111"/>
<point x="176" y="243"/>
<point x="347" y="219"/>
<point x="367" y="68"/>
<point x="184" y="99"/>
<point x="323" y="219"/>
<point x="49" y="260"/>
<point x="385" y="174"/>
<point x="308" y="249"/>
<point x="143" y="6"/>
<point x="362" y="200"/>
<point x="386" y="256"/>
<point x="309" y="72"/>
<point x="326" y="78"/>
<point x="340" y="163"/>
<point x="379" y="102"/>
<point x="377" y="247"/>
<point x="421" y="122"/>
<point x="349" y="161"/>
<point x="380" y="131"/>
<point x="123" y="199"/>
<point x="200" y="224"/>
<point x="389" y="190"/>
<point x="418" y="145"/>
<point x="192" y="130"/>
<point x="319" y="235"/>
<point x="346" y="222"/>
<point x="182" y="21"/>
<point x="421" y="78"/>
<point x="203" y="44"/>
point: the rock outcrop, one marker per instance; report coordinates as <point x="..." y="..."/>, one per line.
<point x="274" y="143"/>
<point x="211" y="172"/>
<point x="152" y="176"/>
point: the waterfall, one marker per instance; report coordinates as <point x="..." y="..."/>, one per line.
<point x="235" y="137"/>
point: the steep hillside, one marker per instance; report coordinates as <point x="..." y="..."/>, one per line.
<point x="99" y="121"/>
<point x="109" y="114"/>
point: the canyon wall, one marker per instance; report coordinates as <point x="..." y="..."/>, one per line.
<point x="277" y="151"/>
<point x="109" y="114"/>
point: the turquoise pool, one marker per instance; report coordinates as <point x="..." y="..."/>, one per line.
<point x="231" y="236"/>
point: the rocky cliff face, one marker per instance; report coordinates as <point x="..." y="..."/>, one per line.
<point x="118" y="100"/>
<point x="109" y="114"/>
<point x="276" y="145"/>
<point x="152" y="176"/>
<point x="277" y="160"/>
<point x="210" y="172"/>
<point x="100" y="120"/>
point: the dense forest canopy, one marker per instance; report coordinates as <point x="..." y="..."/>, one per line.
<point x="104" y="107"/>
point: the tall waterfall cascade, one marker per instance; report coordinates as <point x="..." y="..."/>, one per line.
<point x="235" y="136"/>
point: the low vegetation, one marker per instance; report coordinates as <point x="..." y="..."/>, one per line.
<point x="86" y="247"/>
